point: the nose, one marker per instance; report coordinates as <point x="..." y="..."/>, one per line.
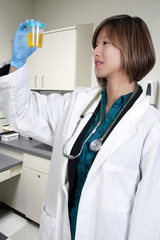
<point x="96" y="52"/>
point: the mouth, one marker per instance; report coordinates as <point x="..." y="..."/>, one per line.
<point x="98" y="63"/>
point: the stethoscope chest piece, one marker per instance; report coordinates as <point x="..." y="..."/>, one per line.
<point x="96" y="145"/>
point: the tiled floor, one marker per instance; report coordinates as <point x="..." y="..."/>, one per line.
<point x="15" y="227"/>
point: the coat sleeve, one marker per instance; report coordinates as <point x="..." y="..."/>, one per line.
<point x="145" y="217"/>
<point x="29" y="112"/>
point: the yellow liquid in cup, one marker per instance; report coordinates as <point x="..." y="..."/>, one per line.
<point x="35" y="40"/>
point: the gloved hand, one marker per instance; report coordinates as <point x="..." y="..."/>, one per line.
<point x="20" y="49"/>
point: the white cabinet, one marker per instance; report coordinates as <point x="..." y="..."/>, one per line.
<point x="35" y="178"/>
<point x="64" y="61"/>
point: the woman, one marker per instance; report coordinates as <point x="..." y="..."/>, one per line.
<point x="104" y="180"/>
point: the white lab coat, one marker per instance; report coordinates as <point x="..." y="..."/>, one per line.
<point x="121" y="196"/>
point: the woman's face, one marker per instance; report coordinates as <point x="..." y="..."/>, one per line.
<point x="107" y="58"/>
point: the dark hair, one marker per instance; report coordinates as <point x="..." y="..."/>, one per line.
<point x="131" y="35"/>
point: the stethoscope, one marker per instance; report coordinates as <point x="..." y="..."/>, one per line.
<point x="96" y="144"/>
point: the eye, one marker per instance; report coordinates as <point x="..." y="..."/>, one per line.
<point x="105" y="43"/>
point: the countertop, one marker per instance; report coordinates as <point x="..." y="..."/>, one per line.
<point x="29" y="146"/>
<point x="8" y="162"/>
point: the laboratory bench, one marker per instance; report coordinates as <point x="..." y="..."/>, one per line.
<point x="29" y="146"/>
<point x="24" y="167"/>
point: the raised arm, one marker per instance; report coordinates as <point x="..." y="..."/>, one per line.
<point x="26" y="111"/>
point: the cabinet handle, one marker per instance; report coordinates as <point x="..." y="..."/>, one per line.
<point x="39" y="176"/>
<point x="42" y="80"/>
<point x="35" y="81"/>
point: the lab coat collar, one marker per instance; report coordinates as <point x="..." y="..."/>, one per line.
<point x="83" y="98"/>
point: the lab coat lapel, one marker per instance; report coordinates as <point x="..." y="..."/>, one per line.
<point x="123" y="132"/>
<point x="82" y="101"/>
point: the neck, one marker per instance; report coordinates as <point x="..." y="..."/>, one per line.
<point x="114" y="91"/>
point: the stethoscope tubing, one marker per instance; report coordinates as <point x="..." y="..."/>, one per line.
<point x="64" y="146"/>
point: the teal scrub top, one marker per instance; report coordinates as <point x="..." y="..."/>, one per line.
<point x="85" y="160"/>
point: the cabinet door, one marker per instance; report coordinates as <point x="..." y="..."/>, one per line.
<point x="35" y="185"/>
<point x="53" y="66"/>
<point x="12" y="190"/>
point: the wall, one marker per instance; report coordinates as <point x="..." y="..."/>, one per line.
<point x="12" y="12"/>
<point x="62" y="13"/>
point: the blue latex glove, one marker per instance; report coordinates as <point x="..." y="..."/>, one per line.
<point x="20" y="49"/>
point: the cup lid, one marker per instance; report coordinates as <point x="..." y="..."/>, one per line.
<point x="35" y="24"/>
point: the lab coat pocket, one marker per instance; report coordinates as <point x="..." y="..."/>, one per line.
<point x="47" y="226"/>
<point x="117" y="187"/>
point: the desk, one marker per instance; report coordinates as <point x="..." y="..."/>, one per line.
<point x="9" y="167"/>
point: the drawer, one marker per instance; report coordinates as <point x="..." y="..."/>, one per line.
<point x="36" y="163"/>
<point x="14" y="171"/>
